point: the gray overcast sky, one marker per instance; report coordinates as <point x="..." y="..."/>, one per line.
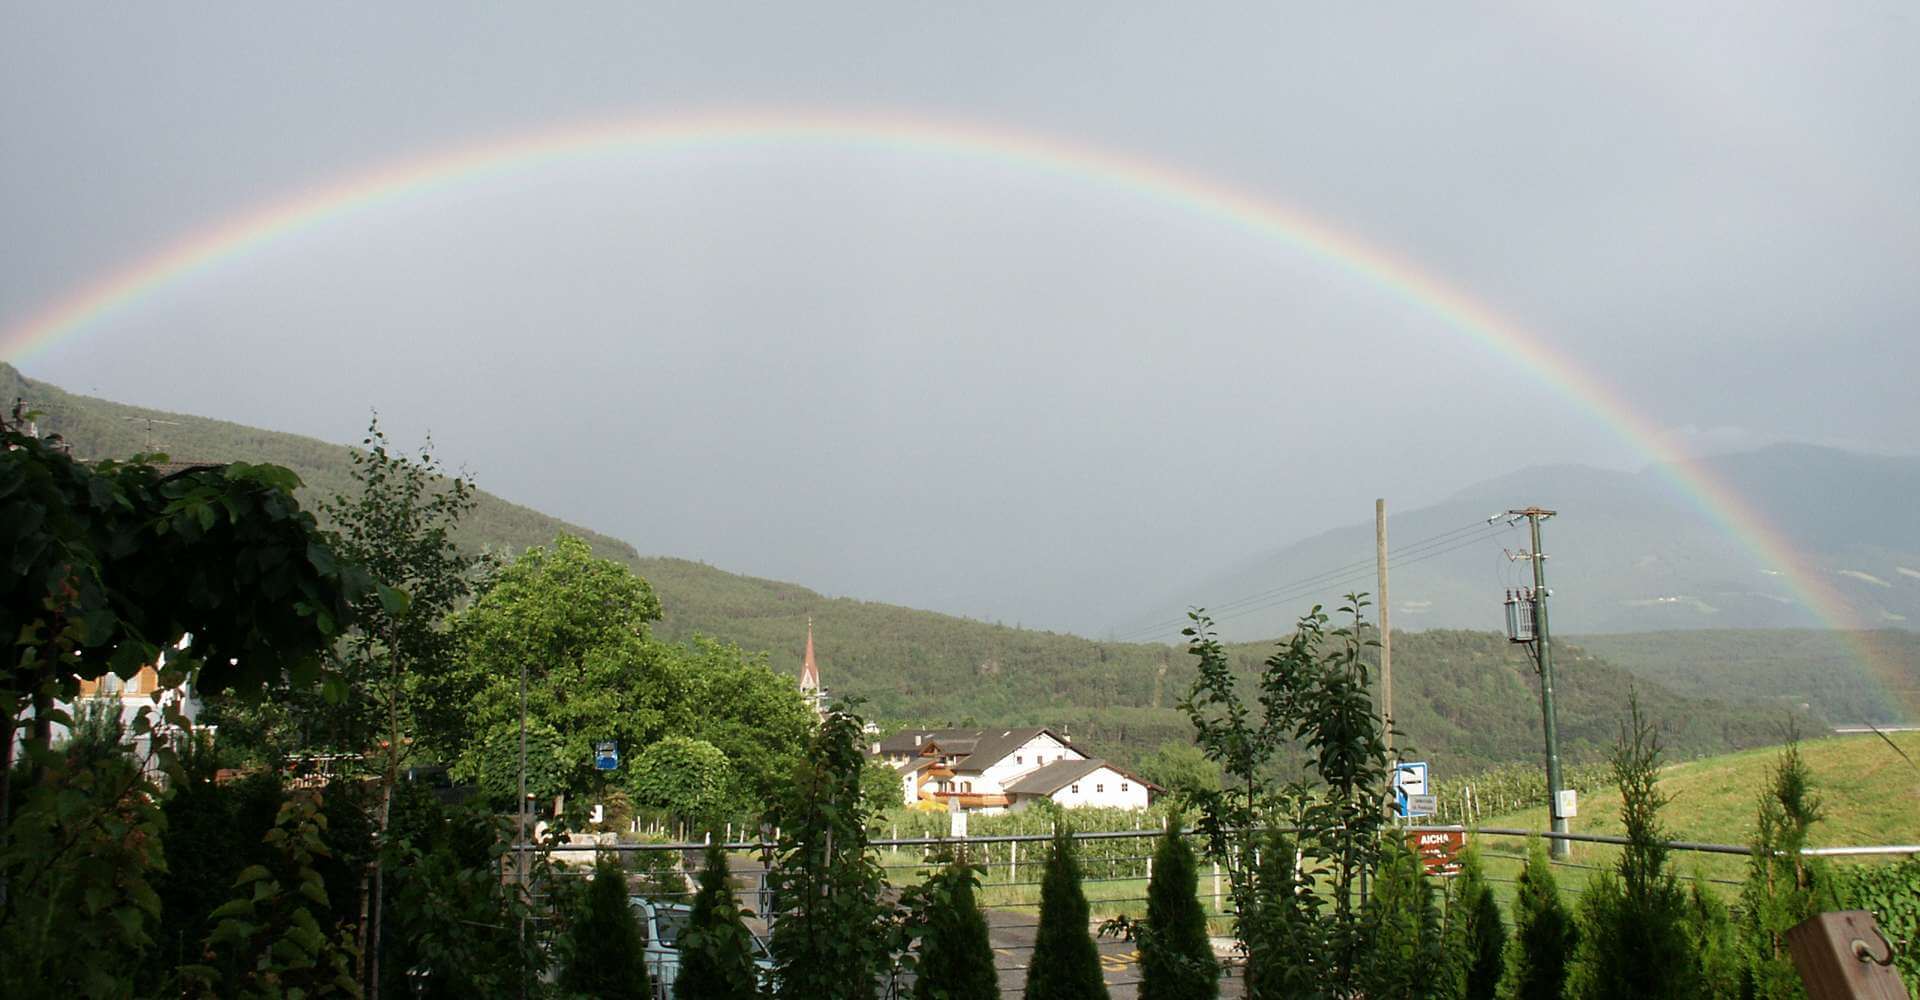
<point x="953" y="382"/>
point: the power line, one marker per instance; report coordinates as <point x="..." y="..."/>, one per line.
<point x="1323" y="576"/>
<point x="1412" y="552"/>
<point x="1360" y="576"/>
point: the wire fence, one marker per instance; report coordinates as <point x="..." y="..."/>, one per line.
<point x="1116" y="867"/>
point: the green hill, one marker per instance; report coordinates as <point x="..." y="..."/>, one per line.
<point x="1870" y="794"/>
<point x="1465" y="699"/>
<point x="1796" y="669"/>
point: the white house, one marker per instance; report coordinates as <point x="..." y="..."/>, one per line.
<point x="1072" y="783"/>
<point x="995" y="769"/>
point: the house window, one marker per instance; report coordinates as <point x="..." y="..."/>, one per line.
<point x="1123" y="786"/>
<point x="1100" y="787"/>
<point x="1076" y="789"/>
<point x="966" y="786"/>
<point x="1019" y="760"/>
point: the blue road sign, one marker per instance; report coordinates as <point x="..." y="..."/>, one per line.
<point x="1410" y="780"/>
<point x="606" y="756"/>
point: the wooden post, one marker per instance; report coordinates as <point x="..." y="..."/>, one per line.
<point x="1386" y="626"/>
<point x="1844" y="956"/>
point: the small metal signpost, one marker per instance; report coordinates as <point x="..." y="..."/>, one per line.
<point x="1410" y="796"/>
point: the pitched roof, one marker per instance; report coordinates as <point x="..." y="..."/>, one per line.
<point x="1056" y="776"/>
<point x="994" y="745"/>
<point x="950" y="740"/>
<point x="979" y="748"/>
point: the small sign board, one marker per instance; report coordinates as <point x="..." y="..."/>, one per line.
<point x="606" y="756"/>
<point x="1422" y="805"/>
<point x="1569" y="804"/>
<point x="1409" y="781"/>
<point x="1439" y="850"/>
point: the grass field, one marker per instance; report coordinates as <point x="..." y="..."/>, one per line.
<point x="1870" y="794"/>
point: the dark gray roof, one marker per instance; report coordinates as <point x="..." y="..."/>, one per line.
<point x="978" y="749"/>
<point x="995" y="744"/>
<point x="950" y="740"/>
<point x="1055" y="776"/>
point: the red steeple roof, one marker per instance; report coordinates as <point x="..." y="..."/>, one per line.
<point x="809" y="670"/>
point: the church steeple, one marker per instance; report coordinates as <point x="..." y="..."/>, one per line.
<point x="809" y="670"/>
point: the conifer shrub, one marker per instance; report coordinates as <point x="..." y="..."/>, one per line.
<point x="1281" y="929"/>
<point x="1065" y="963"/>
<point x="956" y="957"/>
<point x="1633" y="940"/>
<point x="1176" y="959"/>
<point x="606" y="952"/>
<point x="716" y="948"/>
<point x="1783" y="888"/>
<point x="1537" y="954"/>
<point x="1476" y="934"/>
<point x="1718" y="966"/>
<point x="1407" y="957"/>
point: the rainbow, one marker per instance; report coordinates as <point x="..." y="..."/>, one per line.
<point x="1238" y="209"/>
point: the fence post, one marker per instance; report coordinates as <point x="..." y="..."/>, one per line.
<point x="1013" y="861"/>
<point x="1217" y="908"/>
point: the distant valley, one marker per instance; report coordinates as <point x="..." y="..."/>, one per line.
<point x="1628" y="552"/>
<point x="1467" y="699"/>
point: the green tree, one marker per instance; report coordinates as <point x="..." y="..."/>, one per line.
<point x="689" y="777"/>
<point x="1407" y="957"/>
<point x="1632" y="920"/>
<point x="716" y="949"/>
<point x="399" y="526"/>
<point x="756" y="717"/>
<point x="1476" y="935"/>
<point x="1783" y="887"/>
<point x="494" y="761"/>
<point x="579" y="626"/>
<point x="1314" y="695"/>
<point x="1176" y="958"/>
<point x="273" y="939"/>
<point x="1181" y="768"/>
<point x="956" y="956"/>
<point x="1538" y="953"/>
<point x="606" y="952"/>
<point x="830" y="938"/>
<point x="213" y="832"/>
<point x="1065" y="963"/>
<point x="109" y="564"/>
<point x="454" y="926"/>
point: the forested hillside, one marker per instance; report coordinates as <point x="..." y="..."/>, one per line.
<point x="1465" y="699"/>
<point x="1818" y="671"/>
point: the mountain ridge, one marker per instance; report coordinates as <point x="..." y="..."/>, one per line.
<point x="1467" y="697"/>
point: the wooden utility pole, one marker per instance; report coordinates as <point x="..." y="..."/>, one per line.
<point x="1543" y="660"/>
<point x="1386" y="626"/>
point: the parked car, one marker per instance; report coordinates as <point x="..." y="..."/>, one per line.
<point x="660" y="924"/>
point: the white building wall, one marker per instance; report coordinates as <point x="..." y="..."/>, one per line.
<point x="1104" y="787"/>
<point x="1042" y="749"/>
